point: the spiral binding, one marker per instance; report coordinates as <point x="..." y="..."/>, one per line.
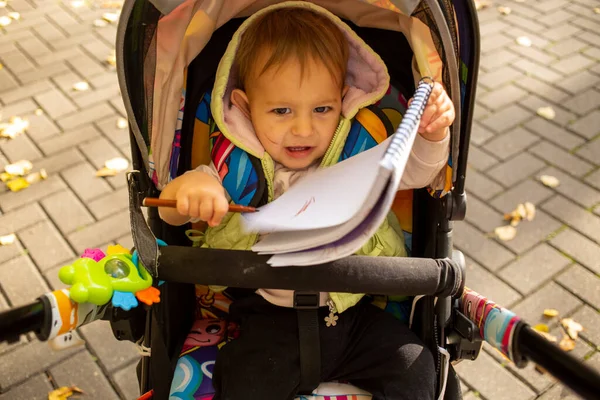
<point x="410" y="122"/>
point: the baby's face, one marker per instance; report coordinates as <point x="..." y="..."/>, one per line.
<point x="295" y="119"/>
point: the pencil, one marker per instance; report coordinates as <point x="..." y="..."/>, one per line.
<point x="155" y="202"/>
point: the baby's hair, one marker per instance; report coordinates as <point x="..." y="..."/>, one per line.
<point x="292" y="33"/>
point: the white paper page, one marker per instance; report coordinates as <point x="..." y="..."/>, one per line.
<point x="326" y="198"/>
<point x="288" y="241"/>
<point x="350" y="243"/>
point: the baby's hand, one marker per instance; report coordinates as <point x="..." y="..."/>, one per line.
<point x="201" y="196"/>
<point x="438" y="115"/>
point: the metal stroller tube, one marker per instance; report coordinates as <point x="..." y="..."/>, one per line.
<point x="21" y="320"/>
<point x="355" y="274"/>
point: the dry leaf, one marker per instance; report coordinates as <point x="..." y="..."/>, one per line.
<point x="7" y="239"/>
<point x="550" y="312"/>
<point x="1" y="66"/>
<point x="505" y="233"/>
<point x="112" y="59"/>
<point x="122" y="123"/>
<point x="482" y="4"/>
<point x="13" y="128"/>
<point x="504" y="10"/>
<point x="14" y="15"/>
<point x="81" y="86"/>
<point x="77" y="3"/>
<point x="19" y="168"/>
<point x="112" y="167"/>
<point x="546" y="112"/>
<point x="100" y="23"/>
<point x="541" y="370"/>
<point x="2" y="4"/>
<point x="541" y="328"/>
<point x="529" y="211"/>
<point x="39" y="112"/>
<point x="550" y="181"/>
<point x="597" y="10"/>
<point x="111" y="17"/>
<point x="5" y="20"/>
<point x="517" y="215"/>
<point x="567" y="344"/>
<point x="63" y="393"/>
<point x="573" y="328"/>
<point x="17" y="184"/>
<point x="36" y="176"/>
<point x="548" y="337"/>
<point x="524" y="41"/>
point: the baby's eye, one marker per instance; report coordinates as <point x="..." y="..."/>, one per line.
<point x="322" y="109"/>
<point x="281" y="111"/>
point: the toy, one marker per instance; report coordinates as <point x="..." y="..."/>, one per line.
<point x="98" y="278"/>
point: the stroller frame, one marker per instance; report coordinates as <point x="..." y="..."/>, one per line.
<point x="438" y="323"/>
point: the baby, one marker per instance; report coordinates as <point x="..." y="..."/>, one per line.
<point x="287" y="91"/>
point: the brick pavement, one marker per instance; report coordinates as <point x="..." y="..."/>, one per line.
<point x="553" y="262"/>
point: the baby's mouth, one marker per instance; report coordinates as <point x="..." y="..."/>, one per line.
<point x="298" y="151"/>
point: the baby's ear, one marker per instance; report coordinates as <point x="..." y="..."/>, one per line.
<point x="240" y="100"/>
<point x="345" y="90"/>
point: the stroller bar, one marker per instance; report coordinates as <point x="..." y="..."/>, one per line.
<point x="21" y="320"/>
<point x="355" y="274"/>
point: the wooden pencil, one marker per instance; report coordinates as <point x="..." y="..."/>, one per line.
<point x="156" y="202"/>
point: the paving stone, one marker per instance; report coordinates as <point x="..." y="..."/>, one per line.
<point x="479" y="184"/>
<point x="499" y="77"/>
<point x="82" y="371"/>
<point x="35" y="388"/>
<point x="20" y="148"/>
<point x="482" y="281"/>
<point x="40" y="127"/>
<point x="101" y="232"/>
<point x="533" y="268"/>
<point x="578" y="218"/>
<point x="10" y="201"/>
<point x="479" y="134"/>
<point x="47" y="71"/>
<point x="96" y="96"/>
<point x="561" y="31"/>
<point x="559" y="392"/>
<point x="45" y="245"/>
<point x="562" y="118"/>
<point x="555" y="17"/>
<point x="66" y="211"/>
<point x="86" y="66"/>
<point x="7" y="81"/>
<point x="60" y="161"/>
<point x="590" y="319"/>
<point x="17" y="61"/>
<point x="51" y="276"/>
<point x="516" y="169"/>
<point x="75" y="40"/>
<point x="10" y="252"/>
<point x="497" y="59"/>
<point x="18" y="219"/>
<point x="590" y="151"/>
<point x="55" y="103"/>
<point x="574" y="189"/>
<point x="480" y="247"/>
<point x="120" y="137"/>
<point x="69" y="139"/>
<point x="537" y="70"/>
<point x="510" y="143"/>
<point x="590" y="37"/>
<point x="34" y="47"/>
<point x="507" y="118"/>
<point x="99" y="150"/>
<point x="112" y="353"/>
<point x="592" y="52"/>
<point x="21" y="282"/>
<point x="126" y="241"/>
<point x="530" y="233"/>
<point x="25" y="91"/>
<point x="553" y="133"/>
<point x="477" y="373"/>
<point x="18" y="108"/>
<point x="91" y="114"/>
<point x="550" y="295"/>
<point x="117" y="104"/>
<point x="82" y="179"/>
<point x="66" y="81"/>
<point x="582" y="282"/>
<point x="561" y="159"/>
<point x="594" y="179"/>
<point x="104" y="79"/>
<point x="480" y="159"/>
<point x="482" y="216"/>
<point x="542" y="89"/>
<point x="588" y="126"/>
<point x="534" y="54"/>
<point x="584" y="102"/>
<point x="126" y="380"/>
<point x="527" y="190"/>
<point x="587" y="24"/>
<point x="110" y="203"/>
<point x="578" y="82"/>
<point x="566" y="47"/>
<point x="502" y="96"/>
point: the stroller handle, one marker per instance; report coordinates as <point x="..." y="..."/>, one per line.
<point x="355" y="274"/>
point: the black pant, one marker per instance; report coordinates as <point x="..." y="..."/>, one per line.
<point x="368" y="348"/>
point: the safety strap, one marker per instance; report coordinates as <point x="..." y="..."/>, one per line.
<point x="307" y="305"/>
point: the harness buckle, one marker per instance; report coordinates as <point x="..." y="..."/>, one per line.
<point x="306" y="300"/>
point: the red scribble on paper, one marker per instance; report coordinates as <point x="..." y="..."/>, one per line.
<point x="305" y="206"/>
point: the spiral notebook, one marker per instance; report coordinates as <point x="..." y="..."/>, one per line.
<point x="332" y="213"/>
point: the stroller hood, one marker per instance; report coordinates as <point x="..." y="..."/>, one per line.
<point x="187" y="26"/>
<point x="367" y="79"/>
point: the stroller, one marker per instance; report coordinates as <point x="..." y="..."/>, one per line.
<point x="164" y="95"/>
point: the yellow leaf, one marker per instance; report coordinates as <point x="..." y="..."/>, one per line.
<point x="81" y="86"/>
<point x="505" y="233"/>
<point x="13" y="128"/>
<point x="39" y="112"/>
<point x="5" y="20"/>
<point x="573" y="328"/>
<point x="550" y="181"/>
<point x="63" y="392"/>
<point x="19" y="168"/>
<point x="597" y="10"/>
<point x="524" y="41"/>
<point x="550" y="312"/>
<point x="541" y="328"/>
<point x="2" y="4"/>
<point x="7" y="239"/>
<point x="546" y="112"/>
<point x="77" y="3"/>
<point x="567" y="344"/>
<point x="529" y="211"/>
<point x="111" y="17"/>
<point x="17" y="184"/>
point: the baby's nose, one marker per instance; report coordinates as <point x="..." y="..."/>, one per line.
<point x="303" y="127"/>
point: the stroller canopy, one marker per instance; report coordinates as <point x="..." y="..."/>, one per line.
<point x="157" y="40"/>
